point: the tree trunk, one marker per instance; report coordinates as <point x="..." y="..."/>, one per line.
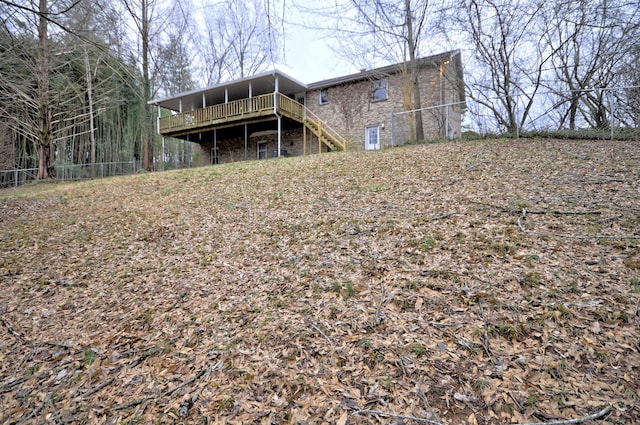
<point x="45" y="140"/>
<point x="92" y="135"/>
<point x="147" y="141"/>
<point x="414" y="69"/>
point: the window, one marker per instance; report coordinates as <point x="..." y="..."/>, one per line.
<point x="379" y="89"/>
<point x="262" y="150"/>
<point x="324" y="96"/>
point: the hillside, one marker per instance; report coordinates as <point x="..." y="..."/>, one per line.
<point x="489" y="282"/>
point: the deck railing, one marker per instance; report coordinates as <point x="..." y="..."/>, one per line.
<point x="290" y="107"/>
<point x="236" y="110"/>
<point x="218" y="114"/>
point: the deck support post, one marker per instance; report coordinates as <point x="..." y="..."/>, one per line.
<point x="215" y="146"/>
<point x="279" y="135"/>
<point x="158" y="127"/>
<point x="162" y="159"/>
<point x="246" y="143"/>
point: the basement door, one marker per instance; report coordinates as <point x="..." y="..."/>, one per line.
<point x="372" y="138"/>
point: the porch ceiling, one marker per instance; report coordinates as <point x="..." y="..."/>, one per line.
<point x="238" y="89"/>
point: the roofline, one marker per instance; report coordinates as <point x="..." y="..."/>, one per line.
<point x="274" y="72"/>
<point x="434" y="60"/>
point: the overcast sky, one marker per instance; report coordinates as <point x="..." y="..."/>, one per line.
<point x="308" y="56"/>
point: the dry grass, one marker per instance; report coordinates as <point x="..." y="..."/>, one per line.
<point x="491" y="282"/>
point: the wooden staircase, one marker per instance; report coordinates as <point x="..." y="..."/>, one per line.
<point x="298" y="112"/>
<point x="329" y="137"/>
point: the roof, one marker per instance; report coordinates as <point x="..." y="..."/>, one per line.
<point x="265" y="83"/>
<point x="237" y="89"/>
<point x="435" y="60"/>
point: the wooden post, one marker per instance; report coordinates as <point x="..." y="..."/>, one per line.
<point x="319" y="136"/>
<point x="215" y="146"/>
<point x="304" y="140"/>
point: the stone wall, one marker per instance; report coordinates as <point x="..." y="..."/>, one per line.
<point x="350" y="108"/>
<point x="232" y="150"/>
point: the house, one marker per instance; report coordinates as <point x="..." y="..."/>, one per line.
<point x="272" y="114"/>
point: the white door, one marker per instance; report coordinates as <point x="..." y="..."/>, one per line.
<point x="372" y="138"/>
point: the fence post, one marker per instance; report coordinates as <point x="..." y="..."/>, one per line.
<point x="393" y="130"/>
<point x="612" y="112"/>
<point x="16" y="178"/>
<point x="446" y="123"/>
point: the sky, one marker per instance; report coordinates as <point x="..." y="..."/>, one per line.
<point x="308" y="56"/>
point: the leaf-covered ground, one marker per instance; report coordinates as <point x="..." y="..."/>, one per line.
<point x="489" y="283"/>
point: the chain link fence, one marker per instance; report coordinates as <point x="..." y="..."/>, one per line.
<point x="600" y="114"/>
<point x="439" y="122"/>
<point x="70" y="172"/>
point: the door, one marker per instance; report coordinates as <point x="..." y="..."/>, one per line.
<point x="372" y="138"/>
<point x="262" y="150"/>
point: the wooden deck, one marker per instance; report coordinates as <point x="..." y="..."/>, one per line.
<point x="223" y="113"/>
<point x="246" y="110"/>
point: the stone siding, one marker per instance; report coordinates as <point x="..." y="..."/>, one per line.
<point x="233" y="149"/>
<point x="350" y="108"/>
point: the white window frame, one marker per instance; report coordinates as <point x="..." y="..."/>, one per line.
<point x="324" y="96"/>
<point x="380" y="86"/>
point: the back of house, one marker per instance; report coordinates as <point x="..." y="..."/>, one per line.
<point x="272" y="114"/>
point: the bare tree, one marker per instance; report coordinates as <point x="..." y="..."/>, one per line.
<point x="159" y="27"/>
<point x="239" y="39"/>
<point x="141" y="12"/>
<point x="375" y="32"/>
<point x="509" y="63"/>
<point x="35" y="110"/>
<point x="629" y="98"/>
<point x="45" y="140"/>
<point x="591" y="41"/>
<point x="40" y="110"/>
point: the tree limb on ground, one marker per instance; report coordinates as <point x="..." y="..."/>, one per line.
<point x="13" y="333"/>
<point x="187" y="382"/>
<point x="317" y="329"/>
<point x="575" y="421"/>
<point x="393" y="415"/>
<point x="552" y="212"/>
